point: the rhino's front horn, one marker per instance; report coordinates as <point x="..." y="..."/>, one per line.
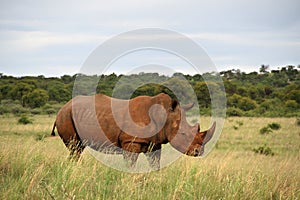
<point x="209" y="133"/>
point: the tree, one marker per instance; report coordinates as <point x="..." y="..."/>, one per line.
<point x="294" y="95"/>
<point x="148" y="89"/>
<point x="253" y="92"/>
<point x="58" y="92"/>
<point x="36" y="98"/>
<point x="264" y="69"/>
<point x="123" y="91"/>
<point x="181" y="88"/>
<point x="230" y="87"/>
<point x="19" y="90"/>
<point x="202" y="93"/>
<point x="246" y="104"/>
<point x="291" y="105"/>
<point x="67" y="79"/>
<point x="243" y="103"/>
<point x="291" y="72"/>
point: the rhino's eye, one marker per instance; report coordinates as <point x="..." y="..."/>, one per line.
<point x="183" y="133"/>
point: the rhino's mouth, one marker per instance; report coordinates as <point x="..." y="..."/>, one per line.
<point x="196" y="152"/>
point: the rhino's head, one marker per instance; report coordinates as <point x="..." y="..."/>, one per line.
<point x="197" y="146"/>
<point x="186" y="138"/>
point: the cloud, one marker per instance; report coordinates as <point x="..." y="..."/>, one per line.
<point x="271" y="39"/>
<point x="20" y="41"/>
<point x="63" y="33"/>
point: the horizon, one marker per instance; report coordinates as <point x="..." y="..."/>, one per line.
<point x="269" y="70"/>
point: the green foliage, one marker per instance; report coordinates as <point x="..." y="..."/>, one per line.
<point x="264" y="150"/>
<point x="246" y="104"/>
<point x="240" y="123"/>
<point x="58" y="91"/>
<point x="50" y="111"/>
<point x="298" y="121"/>
<point x="203" y="96"/>
<point x="237" y="125"/>
<point x="36" y="98"/>
<point x="40" y="136"/>
<point x="17" y="109"/>
<point x="234" y="112"/>
<point x="3" y="110"/>
<point x="243" y="103"/>
<point x="274" y="126"/>
<point x="265" y="130"/>
<point x="265" y="94"/>
<point x="294" y="95"/>
<point x="24" y="119"/>
<point x="268" y="129"/>
<point x="36" y="111"/>
<point x="291" y="104"/>
<point x="19" y="90"/>
<point x="271" y="108"/>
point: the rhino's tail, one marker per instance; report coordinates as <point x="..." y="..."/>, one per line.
<point x="53" y="132"/>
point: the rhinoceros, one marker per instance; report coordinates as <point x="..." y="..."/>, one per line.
<point x="130" y="127"/>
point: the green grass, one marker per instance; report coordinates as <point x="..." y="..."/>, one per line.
<point x="33" y="166"/>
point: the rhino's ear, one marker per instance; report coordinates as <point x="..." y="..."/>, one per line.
<point x="174" y="104"/>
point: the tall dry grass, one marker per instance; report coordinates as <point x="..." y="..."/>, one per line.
<point x="33" y="167"/>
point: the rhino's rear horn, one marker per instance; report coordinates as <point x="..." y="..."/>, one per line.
<point x="187" y="106"/>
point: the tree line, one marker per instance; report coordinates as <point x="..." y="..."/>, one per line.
<point x="274" y="93"/>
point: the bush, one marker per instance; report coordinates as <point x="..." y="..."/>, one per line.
<point x="237" y="125"/>
<point x="3" y="110"/>
<point x="35" y="99"/>
<point x="265" y="130"/>
<point x="264" y="150"/>
<point x="291" y="104"/>
<point x="24" y="120"/>
<point x="240" y="123"/>
<point x="246" y="104"/>
<point x="298" y="121"/>
<point x="270" y="108"/>
<point x="268" y="129"/>
<point x="36" y="111"/>
<point x="234" y="112"/>
<point x="40" y="137"/>
<point x="18" y="109"/>
<point x="51" y="108"/>
<point x="50" y="111"/>
<point x="274" y="126"/>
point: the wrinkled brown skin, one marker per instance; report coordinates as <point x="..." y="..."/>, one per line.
<point x="176" y="130"/>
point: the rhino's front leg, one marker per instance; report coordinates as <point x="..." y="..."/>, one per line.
<point x="131" y="153"/>
<point x="154" y="157"/>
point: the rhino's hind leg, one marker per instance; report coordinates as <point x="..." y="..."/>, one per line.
<point x="76" y="148"/>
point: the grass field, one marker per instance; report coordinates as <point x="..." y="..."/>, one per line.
<point x="35" y="166"/>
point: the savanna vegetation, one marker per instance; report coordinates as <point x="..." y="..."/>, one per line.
<point x="256" y="157"/>
<point x="273" y="93"/>
<point x="245" y="164"/>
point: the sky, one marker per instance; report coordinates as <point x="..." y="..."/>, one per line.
<point x="53" y="38"/>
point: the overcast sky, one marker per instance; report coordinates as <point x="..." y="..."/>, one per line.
<point x="53" y="38"/>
